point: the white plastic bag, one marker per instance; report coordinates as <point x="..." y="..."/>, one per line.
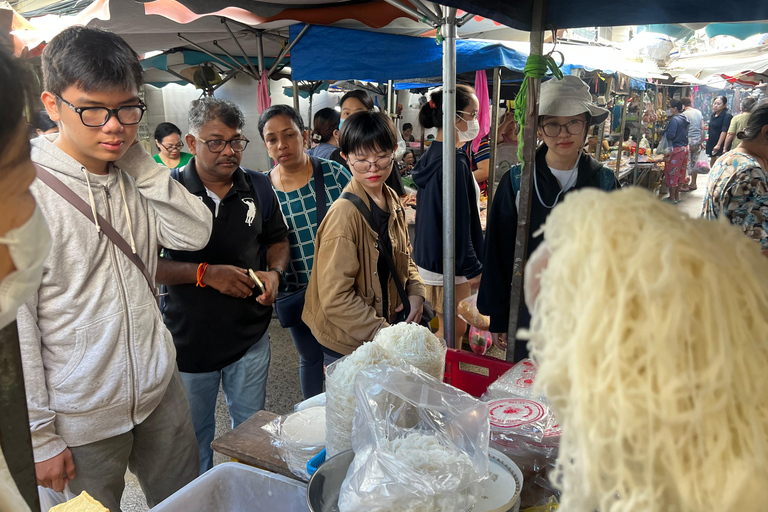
<point x="50" y="498"/>
<point x="515" y="382"/>
<point x="299" y="436"/>
<point x="420" y="445"/>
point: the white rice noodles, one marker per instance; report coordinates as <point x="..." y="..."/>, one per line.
<point x="651" y="335"/>
<point x="416" y="345"/>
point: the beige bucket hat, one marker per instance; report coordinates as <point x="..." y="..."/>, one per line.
<point x="569" y="97"/>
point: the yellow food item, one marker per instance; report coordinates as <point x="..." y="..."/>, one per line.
<point x="650" y="335"/>
<point x="83" y="503"/>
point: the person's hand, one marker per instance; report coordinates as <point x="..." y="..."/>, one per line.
<point x="474" y="283"/>
<point x="57" y="471"/>
<point x="229" y="280"/>
<point x="499" y="340"/>
<point x="271" y="282"/>
<point x="715" y="149"/>
<point x="417" y="308"/>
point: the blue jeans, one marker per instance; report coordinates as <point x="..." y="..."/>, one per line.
<point x="311" y="373"/>
<point x="245" y="389"/>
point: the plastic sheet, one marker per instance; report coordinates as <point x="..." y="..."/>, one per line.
<point x="517" y="382"/>
<point x="468" y="312"/>
<point x="299" y="436"/>
<point x="50" y="498"/>
<point x="420" y="445"/>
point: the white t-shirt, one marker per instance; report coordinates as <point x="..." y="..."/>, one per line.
<point x="566" y="178"/>
<point x="435" y="279"/>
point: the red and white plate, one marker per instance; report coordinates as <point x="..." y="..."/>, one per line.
<point x="515" y="412"/>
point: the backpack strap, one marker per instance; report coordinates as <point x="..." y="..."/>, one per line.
<point x="366" y="212"/>
<point x="319" y="177"/>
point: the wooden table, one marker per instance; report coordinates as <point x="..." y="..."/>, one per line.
<point x="252" y="445"/>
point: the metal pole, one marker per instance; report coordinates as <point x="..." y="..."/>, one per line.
<point x="390" y="99"/>
<point x="240" y="66"/>
<point x="220" y="61"/>
<point x="449" y="178"/>
<point x="245" y="55"/>
<point x="621" y="134"/>
<point x="410" y="10"/>
<point x="494" y="135"/>
<point x="295" y="96"/>
<point x="287" y="49"/>
<point x="260" y="54"/>
<point x="426" y="11"/>
<point x="15" y="437"/>
<point x="526" y="182"/>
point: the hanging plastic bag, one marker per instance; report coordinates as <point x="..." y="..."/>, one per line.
<point x="419" y="444"/>
<point x="469" y="313"/>
<point x="664" y="147"/>
<point x="50" y="498"/>
<point x="701" y="166"/>
<point x="299" y="436"/>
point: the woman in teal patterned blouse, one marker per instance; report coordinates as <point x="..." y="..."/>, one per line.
<point x="293" y="179"/>
<point x="738" y="182"/>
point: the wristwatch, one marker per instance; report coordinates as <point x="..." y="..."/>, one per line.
<point x="281" y="275"/>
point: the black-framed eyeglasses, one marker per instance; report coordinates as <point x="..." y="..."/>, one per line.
<point x="170" y="148"/>
<point x="218" y="145"/>
<point x="472" y="115"/>
<point x="94" y="117"/>
<point x="573" y="127"/>
<point x="381" y="163"/>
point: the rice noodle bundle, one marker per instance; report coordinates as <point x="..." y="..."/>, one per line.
<point x="416" y="345"/>
<point x="651" y="334"/>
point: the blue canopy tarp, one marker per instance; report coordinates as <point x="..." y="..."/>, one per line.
<point x="330" y="53"/>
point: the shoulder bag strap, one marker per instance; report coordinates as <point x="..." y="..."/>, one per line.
<point x="72" y="198"/>
<point x="319" y="176"/>
<point x="360" y="205"/>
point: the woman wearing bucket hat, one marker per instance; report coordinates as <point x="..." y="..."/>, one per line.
<point x="566" y="112"/>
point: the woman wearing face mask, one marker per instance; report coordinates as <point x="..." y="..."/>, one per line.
<point x="565" y="114"/>
<point x="170" y="145"/>
<point x="352" y="293"/>
<point x="428" y="176"/>
<point x="24" y="237"/>
<point x="325" y="133"/>
<point x="359" y="101"/>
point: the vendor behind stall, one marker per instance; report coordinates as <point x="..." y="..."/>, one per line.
<point x="565" y="113"/>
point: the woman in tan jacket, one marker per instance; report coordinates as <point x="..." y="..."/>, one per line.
<point x="351" y="293"/>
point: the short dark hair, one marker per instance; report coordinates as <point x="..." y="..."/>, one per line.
<point x="359" y="95"/>
<point x="432" y="117"/>
<point x="757" y="120"/>
<point x="92" y="60"/>
<point x="686" y="101"/>
<point x="14" y="96"/>
<point x="165" y="129"/>
<point x="367" y="131"/>
<point x="43" y="121"/>
<point x="210" y="109"/>
<point x="325" y="123"/>
<point x="280" y="110"/>
<point x="678" y="104"/>
<point x="407" y="126"/>
<point x="748" y="103"/>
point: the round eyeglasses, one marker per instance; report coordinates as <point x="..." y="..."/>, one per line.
<point x="171" y="147"/>
<point x="365" y="165"/>
<point x="94" y="117"/>
<point x="218" y="145"/>
<point x="573" y="127"/>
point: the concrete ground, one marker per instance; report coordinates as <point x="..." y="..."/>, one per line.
<point x="283" y="392"/>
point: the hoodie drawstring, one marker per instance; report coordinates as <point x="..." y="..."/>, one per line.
<point x="125" y="208"/>
<point x="93" y="202"/>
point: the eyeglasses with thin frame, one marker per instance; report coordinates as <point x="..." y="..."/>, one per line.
<point x="95" y="117"/>
<point x="573" y="127"/>
<point x="462" y="113"/>
<point x="382" y="163"/>
<point x="218" y="145"/>
<point x="170" y="148"/>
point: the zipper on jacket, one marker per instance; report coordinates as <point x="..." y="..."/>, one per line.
<point x="124" y="296"/>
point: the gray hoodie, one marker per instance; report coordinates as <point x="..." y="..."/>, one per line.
<point x="97" y="357"/>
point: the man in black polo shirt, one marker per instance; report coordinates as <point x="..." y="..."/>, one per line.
<point x="216" y="311"/>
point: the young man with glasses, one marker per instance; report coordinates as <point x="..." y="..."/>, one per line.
<point x="103" y="390"/>
<point x="566" y="112"/>
<point x="219" y="301"/>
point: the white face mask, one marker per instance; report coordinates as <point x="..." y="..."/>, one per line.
<point x="28" y="246"/>
<point x="473" y="130"/>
